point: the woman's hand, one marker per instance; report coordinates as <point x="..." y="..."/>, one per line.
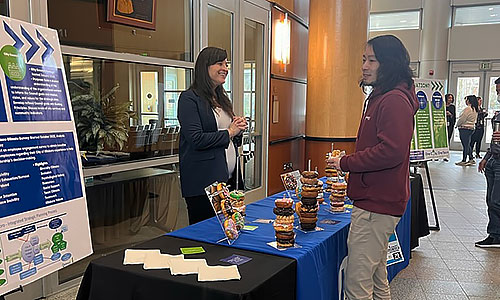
<point x="233" y="129"/>
<point x="241" y="122"/>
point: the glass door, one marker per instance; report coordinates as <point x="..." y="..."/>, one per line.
<point x="490" y="103"/>
<point x="254" y="25"/>
<point x="477" y="83"/>
<point x="462" y="85"/>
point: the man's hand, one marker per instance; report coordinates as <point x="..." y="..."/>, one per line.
<point x="481" y="166"/>
<point x="334" y="162"/>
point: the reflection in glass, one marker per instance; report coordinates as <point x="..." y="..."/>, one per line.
<point x="120" y="115"/>
<point x="253" y="91"/>
<point x="4" y="8"/>
<point x="83" y="24"/>
<point x="493" y="106"/>
<point x="220" y="34"/>
<point x="465" y="86"/>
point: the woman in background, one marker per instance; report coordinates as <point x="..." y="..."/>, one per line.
<point x="465" y="125"/>
<point x="451" y="116"/>
<point x="208" y="125"/>
<point x="477" y="135"/>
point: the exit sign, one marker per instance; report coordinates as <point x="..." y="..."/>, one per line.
<point x="485" y="65"/>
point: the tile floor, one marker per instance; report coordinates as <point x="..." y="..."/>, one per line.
<point x="446" y="265"/>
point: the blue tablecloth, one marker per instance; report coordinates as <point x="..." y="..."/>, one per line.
<point x="321" y="253"/>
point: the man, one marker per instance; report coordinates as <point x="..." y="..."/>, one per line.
<point x="379" y="167"/>
<point x="477" y="135"/>
<point x="490" y="164"/>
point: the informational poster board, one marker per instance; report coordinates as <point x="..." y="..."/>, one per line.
<point x="430" y="138"/>
<point x="43" y="212"/>
<point x="394" y="251"/>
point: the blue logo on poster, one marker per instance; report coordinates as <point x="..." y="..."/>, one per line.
<point x="437" y="100"/>
<point x="422" y="99"/>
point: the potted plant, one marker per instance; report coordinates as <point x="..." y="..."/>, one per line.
<point x="101" y="122"/>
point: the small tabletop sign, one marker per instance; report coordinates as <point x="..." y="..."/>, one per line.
<point x="291" y="181"/>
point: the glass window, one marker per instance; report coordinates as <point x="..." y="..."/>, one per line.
<point x="220" y="33"/>
<point x="465" y="86"/>
<point x="253" y="99"/>
<point x="124" y="111"/>
<point x="493" y="106"/>
<point x="84" y="24"/>
<point x="395" y="20"/>
<point x="477" y="15"/>
<point x="4" y="8"/>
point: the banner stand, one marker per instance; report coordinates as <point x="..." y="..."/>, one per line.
<point x="423" y="163"/>
<point x="19" y="289"/>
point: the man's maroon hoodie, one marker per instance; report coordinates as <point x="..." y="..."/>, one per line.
<point x="379" y="168"/>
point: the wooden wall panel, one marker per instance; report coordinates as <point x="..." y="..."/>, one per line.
<point x="279" y="154"/>
<point x="297" y="68"/>
<point x="291" y="97"/>
<point x="298" y="7"/>
<point x="316" y="151"/>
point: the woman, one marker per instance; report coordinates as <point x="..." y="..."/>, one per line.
<point x="451" y="114"/>
<point x="477" y="135"/>
<point x="208" y="124"/>
<point x="465" y="125"/>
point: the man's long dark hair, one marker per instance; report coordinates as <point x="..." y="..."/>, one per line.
<point x="394" y="63"/>
<point x="473" y="102"/>
<point x="203" y="86"/>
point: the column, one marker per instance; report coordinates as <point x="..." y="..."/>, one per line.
<point x="434" y="40"/>
<point x="338" y="31"/>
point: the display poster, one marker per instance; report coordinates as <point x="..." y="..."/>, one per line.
<point x="394" y="251"/>
<point x="43" y="212"/>
<point x="430" y="138"/>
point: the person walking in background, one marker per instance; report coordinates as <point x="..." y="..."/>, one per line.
<point x="490" y="164"/>
<point x="379" y="167"/>
<point x="451" y="117"/>
<point x="477" y="135"/>
<point x="465" y="124"/>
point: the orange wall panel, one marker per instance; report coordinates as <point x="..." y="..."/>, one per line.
<point x="291" y="109"/>
<point x="279" y="154"/>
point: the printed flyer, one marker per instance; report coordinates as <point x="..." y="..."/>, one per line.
<point x="430" y="138"/>
<point x="43" y="212"/>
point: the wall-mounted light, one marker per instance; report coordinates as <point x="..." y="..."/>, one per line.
<point x="282" y="41"/>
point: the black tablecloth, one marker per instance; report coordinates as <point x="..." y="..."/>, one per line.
<point x="419" y="220"/>
<point x="264" y="277"/>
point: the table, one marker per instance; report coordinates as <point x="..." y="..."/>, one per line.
<point x="320" y="259"/>
<point x="264" y="277"/>
<point x="419" y="219"/>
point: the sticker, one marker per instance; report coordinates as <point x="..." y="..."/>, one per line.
<point x="236" y="259"/>
<point x="192" y="250"/>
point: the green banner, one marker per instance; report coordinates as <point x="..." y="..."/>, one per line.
<point x="423" y="122"/>
<point x="439" y="121"/>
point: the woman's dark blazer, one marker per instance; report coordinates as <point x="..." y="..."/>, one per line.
<point x="202" y="155"/>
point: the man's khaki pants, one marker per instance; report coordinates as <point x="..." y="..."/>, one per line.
<point x="366" y="270"/>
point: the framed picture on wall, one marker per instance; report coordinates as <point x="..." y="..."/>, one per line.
<point x="137" y="13"/>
